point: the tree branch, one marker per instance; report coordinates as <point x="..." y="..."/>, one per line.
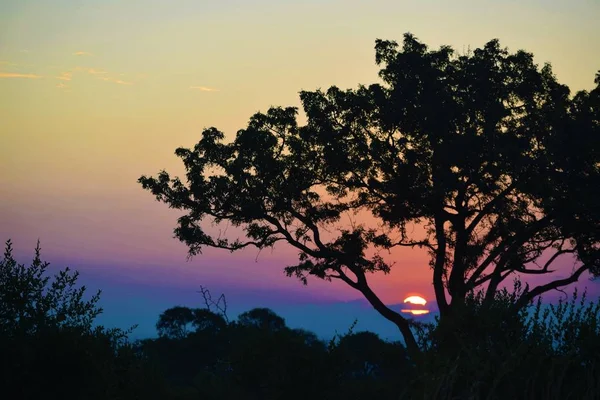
<point x="507" y="245"/>
<point x="389" y="314"/>
<point x="528" y="296"/>
<point x="488" y="208"/>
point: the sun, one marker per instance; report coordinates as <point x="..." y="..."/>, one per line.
<point x="417" y="300"/>
<point x="416" y="304"/>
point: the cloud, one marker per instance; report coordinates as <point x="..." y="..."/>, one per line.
<point x="17" y="75"/>
<point x="96" y="71"/>
<point x="61" y="86"/>
<point x="204" y="89"/>
<point x="91" y="71"/>
<point x="65" y="76"/>
<point x="24" y="51"/>
<point x="114" y="80"/>
<point x="82" y="53"/>
<point x="120" y="82"/>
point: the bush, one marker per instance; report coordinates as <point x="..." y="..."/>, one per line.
<point x="50" y="347"/>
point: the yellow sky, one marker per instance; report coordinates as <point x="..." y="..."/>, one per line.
<point x="94" y="93"/>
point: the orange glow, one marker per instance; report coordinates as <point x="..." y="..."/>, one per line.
<point x="416" y="312"/>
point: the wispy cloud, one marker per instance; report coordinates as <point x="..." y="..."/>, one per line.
<point x="204" y="89"/>
<point x="17" y="75"/>
<point x="24" y="51"/>
<point x="91" y="71"/>
<point x="65" y="76"/>
<point x="115" y="80"/>
<point x="82" y="53"/>
<point x="121" y="82"/>
<point x="96" y="71"/>
<point x="12" y="64"/>
<point x="64" y="87"/>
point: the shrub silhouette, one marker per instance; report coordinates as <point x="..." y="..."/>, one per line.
<point x="50" y="347"/>
<point x="488" y="350"/>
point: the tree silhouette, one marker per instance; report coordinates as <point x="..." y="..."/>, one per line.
<point x="175" y="323"/>
<point x="51" y="345"/>
<point x="178" y="322"/>
<point x="30" y="302"/>
<point x="262" y="318"/>
<point x="208" y="322"/>
<point x="486" y="152"/>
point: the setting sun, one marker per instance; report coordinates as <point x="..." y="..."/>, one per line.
<point x="418" y="300"/>
<point x="415" y="300"/>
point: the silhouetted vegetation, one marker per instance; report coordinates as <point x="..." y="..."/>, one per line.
<point x="486" y="152"/>
<point x="50" y="346"/>
<point x="51" y="349"/>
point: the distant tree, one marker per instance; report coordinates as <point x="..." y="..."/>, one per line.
<point x="175" y="323"/>
<point x="485" y="151"/>
<point x="208" y="321"/>
<point x="178" y="322"/>
<point x="262" y="318"/>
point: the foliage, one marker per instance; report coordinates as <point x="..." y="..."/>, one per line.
<point x="494" y="351"/>
<point x="486" y="152"/>
<point x="262" y="318"/>
<point x="50" y="346"/>
<point x="175" y="322"/>
<point x="490" y="349"/>
<point x="31" y="303"/>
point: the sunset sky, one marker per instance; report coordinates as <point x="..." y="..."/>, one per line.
<point x="94" y="94"/>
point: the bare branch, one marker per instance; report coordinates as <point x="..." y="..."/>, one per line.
<point x="221" y="309"/>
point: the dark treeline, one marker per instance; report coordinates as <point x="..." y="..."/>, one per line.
<point x="51" y="348"/>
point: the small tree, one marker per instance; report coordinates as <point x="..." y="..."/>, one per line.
<point x="31" y="302"/>
<point x="486" y="152"/>
<point x="51" y="347"/>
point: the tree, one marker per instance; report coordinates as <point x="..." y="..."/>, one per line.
<point x="30" y="302"/>
<point x="51" y="346"/>
<point x="208" y="322"/>
<point x="178" y="322"/>
<point x="262" y="318"/>
<point x="175" y="322"/>
<point x="485" y="151"/>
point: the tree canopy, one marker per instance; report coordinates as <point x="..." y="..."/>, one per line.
<point x="486" y="150"/>
<point x="178" y="322"/>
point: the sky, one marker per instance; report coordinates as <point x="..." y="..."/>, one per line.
<point x="94" y="94"/>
